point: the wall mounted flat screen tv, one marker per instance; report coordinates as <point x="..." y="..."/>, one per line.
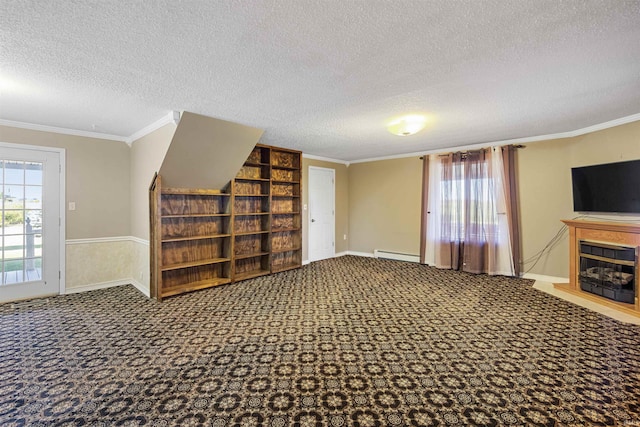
<point x="610" y="188"/>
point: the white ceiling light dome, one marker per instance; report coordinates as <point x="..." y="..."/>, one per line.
<point x="407" y="125"/>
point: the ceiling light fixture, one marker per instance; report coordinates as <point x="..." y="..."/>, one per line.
<point x="407" y="125"/>
<point x="9" y="86"/>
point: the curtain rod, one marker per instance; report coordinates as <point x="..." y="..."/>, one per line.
<point x="471" y="151"/>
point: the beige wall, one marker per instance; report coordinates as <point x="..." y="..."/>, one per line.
<point x="206" y="152"/>
<point x="377" y="203"/>
<point x="342" y="204"/>
<point x="544" y="173"/>
<point x="147" y="154"/>
<point x="544" y="182"/>
<point x="97" y="180"/>
<point x="384" y="205"/>
<point x="611" y="145"/>
<point x="384" y="196"/>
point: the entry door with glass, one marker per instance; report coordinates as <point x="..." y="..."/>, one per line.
<point x="30" y="212"/>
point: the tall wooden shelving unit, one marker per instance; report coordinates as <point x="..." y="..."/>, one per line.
<point x="251" y="219"/>
<point x="191" y="239"/>
<point x="286" y="231"/>
<point x="203" y="238"/>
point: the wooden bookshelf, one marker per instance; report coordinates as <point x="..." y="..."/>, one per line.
<point x="203" y="238"/>
<point x="251" y="219"/>
<point x="190" y="239"/>
<point x="286" y="231"/>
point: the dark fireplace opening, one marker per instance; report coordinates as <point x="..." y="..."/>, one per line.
<point x="608" y="270"/>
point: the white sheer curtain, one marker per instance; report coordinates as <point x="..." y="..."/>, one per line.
<point x="434" y="205"/>
<point x="503" y="250"/>
<point x="467" y="227"/>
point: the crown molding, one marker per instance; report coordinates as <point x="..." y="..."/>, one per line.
<point x="174" y="117"/>
<point x="605" y="125"/>
<point x="64" y="131"/>
<point x="325" y="159"/>
<point x="171" y="117"/>
<point x="561" y="135"/>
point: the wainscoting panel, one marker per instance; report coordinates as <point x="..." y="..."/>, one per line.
<point x="91" y="262"/>
<point x="105" y="262"/>
<point x="140" y="265"/>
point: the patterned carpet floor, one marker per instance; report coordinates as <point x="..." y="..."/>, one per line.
<point x="343" y="342"/>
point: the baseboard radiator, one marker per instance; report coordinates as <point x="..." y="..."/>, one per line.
<point x="378" y="253"/>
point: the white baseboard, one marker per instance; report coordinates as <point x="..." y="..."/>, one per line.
<point x="96" y="286"/>
<point x="103" y="285"/>
<point x="339" y="254"/>
<point x="140" y="287"/>
<point x="406" y="257"/>
<point x="397" y="256"/>
<point x="544" y="278"/>
<point x="364" y="254"/>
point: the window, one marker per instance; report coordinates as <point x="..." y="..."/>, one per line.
<point x="466" y="226"/>
<point x="467" y="194"/>
<point x="21" y="184"/>
<point x="468" y="198"/>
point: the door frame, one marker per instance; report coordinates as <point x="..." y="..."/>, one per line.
<point x="333" y="206"/>
<point x="63" y="201"/>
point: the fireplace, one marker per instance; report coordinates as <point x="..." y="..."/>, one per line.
<point x="608" y="270"/>
<point x="604" y="265"/>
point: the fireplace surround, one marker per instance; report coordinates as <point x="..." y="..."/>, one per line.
<point x="604" y="263"/>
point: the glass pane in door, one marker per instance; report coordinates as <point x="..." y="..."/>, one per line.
<point x="21" y="183"/>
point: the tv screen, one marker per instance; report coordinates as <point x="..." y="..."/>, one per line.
<point x="611" y="187"/>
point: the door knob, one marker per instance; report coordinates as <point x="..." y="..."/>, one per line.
<point x="313" y="220"/>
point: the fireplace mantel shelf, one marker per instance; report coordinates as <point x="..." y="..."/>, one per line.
<point x="614" y="233"/>
<point x="604" y="226"/>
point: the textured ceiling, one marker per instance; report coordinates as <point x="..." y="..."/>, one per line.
<point x="323" y="76"/>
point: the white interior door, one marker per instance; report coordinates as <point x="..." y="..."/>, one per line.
<point x="321" y="213"/>
<point x="30" y="223"/>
